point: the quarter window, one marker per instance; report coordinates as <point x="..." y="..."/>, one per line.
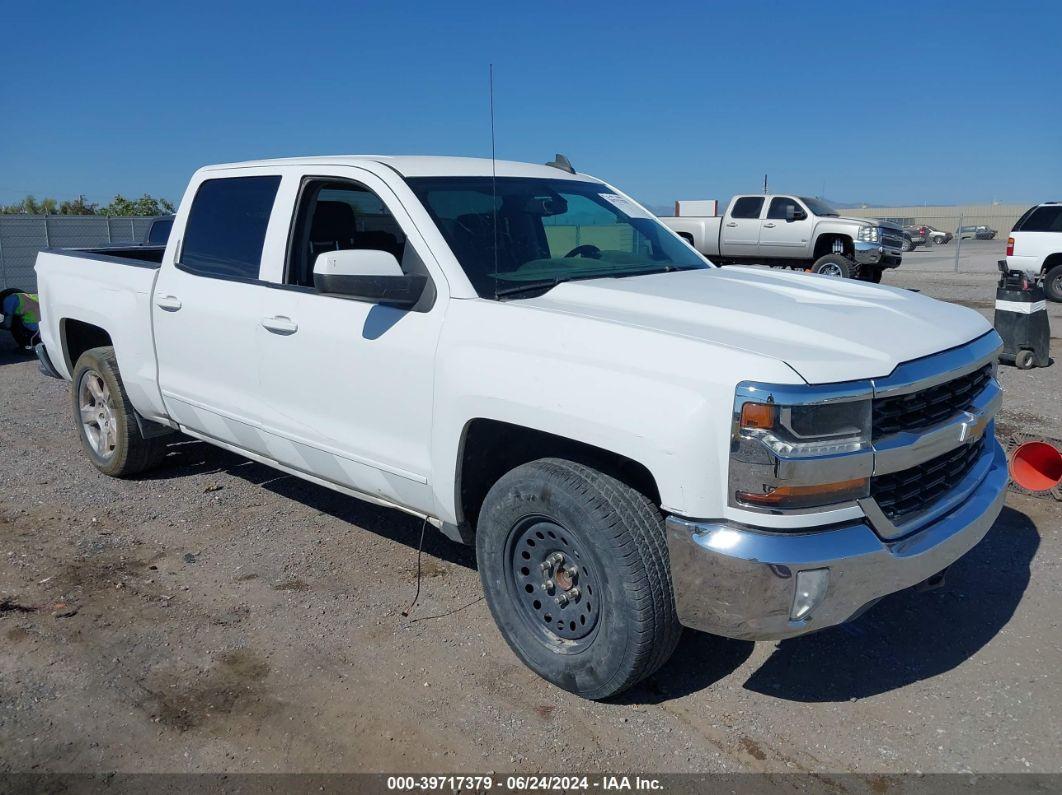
<point x="227" y="226"/>
<point x="1043" y="219"/>
<point x="747" y="207"/>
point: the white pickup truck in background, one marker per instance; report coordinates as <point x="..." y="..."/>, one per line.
<point x="1035" y="246"/>
<point x="794" y="232"/>
<point x="633" y="439"/>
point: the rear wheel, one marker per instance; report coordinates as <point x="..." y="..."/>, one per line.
<point x="834" y="265"/>
<point x="1053" y="283"/>
<point x="106" y="420"/>
<point x="575" y="570"/>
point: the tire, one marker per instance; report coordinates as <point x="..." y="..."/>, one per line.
<point x="906" y="246"/>
<point x="1024" y="359"/>
<point x="868" y="273"/>
<point x="112" y="438"/>
<point x="834" y="265"/>
<point x="1053" y="283"/>
<point x="621" y="626"/>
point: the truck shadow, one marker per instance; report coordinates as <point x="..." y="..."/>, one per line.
<point x="191" y="457"/>
<point x="910" y="636"/>
<point x="905" y="638"/>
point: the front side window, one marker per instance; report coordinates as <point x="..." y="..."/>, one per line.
<point x="335" y="216"/>
<point x="747" y="207"/>
<point x="778" y="207"/>
<point x="516" y="236"/>
<point x="227" y="226"/>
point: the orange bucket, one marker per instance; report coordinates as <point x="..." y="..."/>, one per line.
<point x="1036" y="466"/>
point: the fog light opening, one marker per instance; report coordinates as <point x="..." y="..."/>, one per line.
<point x="811" y="586"/>
<point x="1036" y="466"/>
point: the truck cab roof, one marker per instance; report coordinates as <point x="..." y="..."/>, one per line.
<point x="420" y="166"/>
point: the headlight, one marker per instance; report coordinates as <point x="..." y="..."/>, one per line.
<point x="868" y="234"/>
<point x="795" y="448"/>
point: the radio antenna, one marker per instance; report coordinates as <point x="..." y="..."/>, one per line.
<point x="493" y="181"/>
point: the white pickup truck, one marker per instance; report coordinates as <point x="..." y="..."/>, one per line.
<point x="633" y="439"/>
<point x="1035" y="246"/>
<point x="793" y="232"/>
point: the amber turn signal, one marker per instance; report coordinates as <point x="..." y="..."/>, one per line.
<point x="802" y="496"/>
<point x="758" y="415"/>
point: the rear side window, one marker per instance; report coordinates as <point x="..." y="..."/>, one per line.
<point x="227" y="226"/>
<point x="1041" y="219"/>
<point x="747" y="207"/>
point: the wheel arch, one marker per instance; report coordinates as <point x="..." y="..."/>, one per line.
<point x="1050" y="261"/>
<point x="77" y="336"/>
<point x="824" y="244"/>
<point x="489" y="448"/>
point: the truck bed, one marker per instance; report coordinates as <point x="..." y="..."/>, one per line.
<point x="700" y="231"/>
<point x="103" y="288"/>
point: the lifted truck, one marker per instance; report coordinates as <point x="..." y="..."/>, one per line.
<point x="633" y="439"/>
<point x="793" y="232"/>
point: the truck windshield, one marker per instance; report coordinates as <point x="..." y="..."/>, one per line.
<point x="516" y="236"/>
<point x="819" y="207"/>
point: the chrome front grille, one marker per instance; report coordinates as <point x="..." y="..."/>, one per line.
<point x="901" y="493"/>
<point x="926" y="407"/>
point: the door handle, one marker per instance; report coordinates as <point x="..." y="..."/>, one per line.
<point x="732" y="223"/>
<point x="769" y="226"/>
<point x="170" y="303"/>
<point x="279" y="324"/>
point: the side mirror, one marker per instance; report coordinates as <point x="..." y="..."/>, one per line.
<point x="793" y="213"/>
<point x="367" y="275"/>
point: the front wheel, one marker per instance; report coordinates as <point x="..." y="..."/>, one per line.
<point x="834" y="265"/>
<point x="1053" y="283"/>
<point x="575" y="570"/>
<point x="868" y="273"/>
<point x="106" y="420"/>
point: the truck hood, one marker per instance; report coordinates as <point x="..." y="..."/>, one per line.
<point x="864" y="221"/>
<point x="826" y="329"/>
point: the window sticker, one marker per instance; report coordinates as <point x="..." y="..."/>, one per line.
<point x="624" y="205"/>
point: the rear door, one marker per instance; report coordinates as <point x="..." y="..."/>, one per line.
<point x="207" y="307"/>
<point x="785" y="239"/>
<point x="741" y="227"/>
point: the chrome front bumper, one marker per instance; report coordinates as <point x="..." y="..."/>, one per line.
<point x="740" y="581"/>
<point x="877" y="254"/>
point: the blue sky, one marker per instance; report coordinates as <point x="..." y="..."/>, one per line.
<point x="889" y="102"/>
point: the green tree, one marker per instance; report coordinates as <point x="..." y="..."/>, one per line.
<point x="78" y="206"/>
<point x="145" y="205"/>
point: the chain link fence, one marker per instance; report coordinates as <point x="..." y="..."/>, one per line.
<point x="22" y="236"/>
<point x="939" y="243"/>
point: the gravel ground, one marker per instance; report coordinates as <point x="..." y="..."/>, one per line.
<point x="217" y="615"/>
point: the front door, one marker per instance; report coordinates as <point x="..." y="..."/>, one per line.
<point x="741" y="228"/>
<point x="780" y="238"/>
<point x="350" y="384"/>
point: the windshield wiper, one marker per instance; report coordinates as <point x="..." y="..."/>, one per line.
<point x="548" y="284"/>
<point x="516" y="289"/>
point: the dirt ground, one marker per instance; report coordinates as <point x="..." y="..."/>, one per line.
<point x="217" y="615"/>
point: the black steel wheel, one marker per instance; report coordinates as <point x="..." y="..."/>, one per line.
<point x="552" y="580"/>
<point x="575" y="571"/>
